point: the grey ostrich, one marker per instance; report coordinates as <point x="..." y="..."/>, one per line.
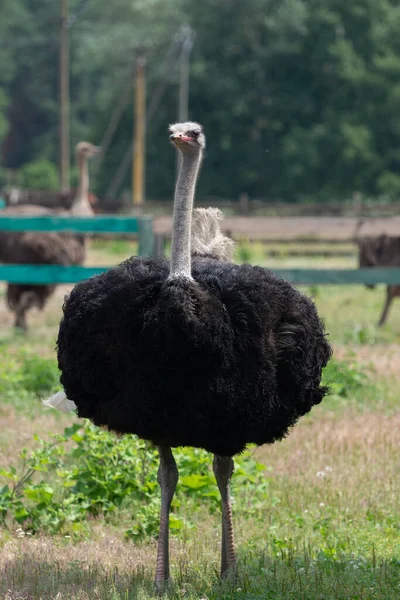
<point x="53" y="248"/>
<point x="197" y="351"/>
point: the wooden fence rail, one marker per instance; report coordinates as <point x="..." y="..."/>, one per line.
<point x="44" y="274"/>
<point x="103" y="224"/>
<point x="370" y="276"/>
<point x="140" y="226"/>
<point x="143" y="227"/>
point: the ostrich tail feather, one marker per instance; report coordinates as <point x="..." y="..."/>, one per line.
<point x="207" y="237"/>
<point x="60" y="402"/>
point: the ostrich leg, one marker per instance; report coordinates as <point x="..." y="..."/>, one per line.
<point x="223" y="470"/>
<point x="388" y="302"/>
<point x="20" y="321"/>
<point x="26" y="301"/>
<point x="167" y="478"/>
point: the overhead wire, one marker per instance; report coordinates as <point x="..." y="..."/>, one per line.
<point x="171" y="61"/>
<point x="112" y="126"/>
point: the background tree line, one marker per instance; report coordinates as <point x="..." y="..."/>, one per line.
<point x="300" y="98"/>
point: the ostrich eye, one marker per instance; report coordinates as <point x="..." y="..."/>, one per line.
<point x="196" y="132"/>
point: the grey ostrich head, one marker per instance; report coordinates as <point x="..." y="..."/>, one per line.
<point x="87" y="150"/>
<point x="81" y="205"/>
<point x="187" y="136"/>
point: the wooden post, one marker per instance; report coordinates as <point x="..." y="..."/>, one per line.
<point x="358" y="204"/>
<point x="187" y="36"/>
<point x="139" y="135"/>
<point x="184" y="71"/>
<point x="244" y="204"/>
<point x="64" y="99"/>
<point x="159" y="245"/>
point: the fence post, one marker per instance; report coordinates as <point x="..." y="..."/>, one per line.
<point x="244" y="204"/>
<point x="159" y="245"/>
<point x="146" y="237"/>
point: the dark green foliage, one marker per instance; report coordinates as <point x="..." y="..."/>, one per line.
<point x="27" y="373"/>
<point x="299" y="98"/>
<point x="59" y="486"/>
<point x="40" y="175"/>
<point x="345" y="378"/>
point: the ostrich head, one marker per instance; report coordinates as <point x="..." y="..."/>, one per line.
<point x="86" y="150"/>
<point x="81" y="205"/>
<point x="187" y="136"/>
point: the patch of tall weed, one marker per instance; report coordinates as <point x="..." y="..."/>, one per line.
<point x="26" y="371"/>
<point x="348" y="381"/>
<point x="89" y="472"/>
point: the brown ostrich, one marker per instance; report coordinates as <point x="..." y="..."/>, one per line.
<point x="381" y="251"/>
<point x="53" y="248"/>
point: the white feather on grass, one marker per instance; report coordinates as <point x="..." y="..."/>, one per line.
<point x="59" y="401"/>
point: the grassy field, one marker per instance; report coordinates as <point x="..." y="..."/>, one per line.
<point x="319" y="521"/>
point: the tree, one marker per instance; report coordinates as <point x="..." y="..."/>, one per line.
<point x="299" y="97"/>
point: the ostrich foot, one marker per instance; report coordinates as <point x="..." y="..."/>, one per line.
<point x="167" y="479"/>
<point x="162" y="586"/>
<point x="223" y="470"/>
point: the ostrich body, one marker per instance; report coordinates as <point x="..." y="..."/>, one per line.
<point x="196" y="352"/>
<point x="54" y="248"/>
<point x="381" y="251"/>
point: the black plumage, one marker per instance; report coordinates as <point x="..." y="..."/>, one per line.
<point x="233" y="357"/>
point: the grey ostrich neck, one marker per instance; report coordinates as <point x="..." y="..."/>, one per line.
<point x="183" y="207"/>
<point x="81" y="204"/>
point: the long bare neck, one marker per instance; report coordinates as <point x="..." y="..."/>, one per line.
<point x="81" y="204"/>
<point x="182" y="219"/>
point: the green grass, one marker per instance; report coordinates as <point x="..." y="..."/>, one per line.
<point x="289" y="577"/>
<point x="322" y="524"/>
<point x="115" y="246"/>
<point x="351" y="314"/>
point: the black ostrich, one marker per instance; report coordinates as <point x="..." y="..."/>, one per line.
<point x="196" y="352"/>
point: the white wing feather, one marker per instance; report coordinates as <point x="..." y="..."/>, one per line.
<point x="60" y="401"/>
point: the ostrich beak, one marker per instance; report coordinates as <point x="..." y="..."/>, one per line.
<point x="180" y="138"/>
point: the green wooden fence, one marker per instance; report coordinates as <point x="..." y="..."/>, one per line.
<point x="42" y="274"/>
<point x="386" y="275"/>
<point x="143" y="228"/>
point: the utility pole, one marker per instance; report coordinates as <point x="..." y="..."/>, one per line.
<point x="187" y="40"/>
<point x="64" y="99"/>
<point x="187" y="36"/>
<point x="139" y="134"/>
